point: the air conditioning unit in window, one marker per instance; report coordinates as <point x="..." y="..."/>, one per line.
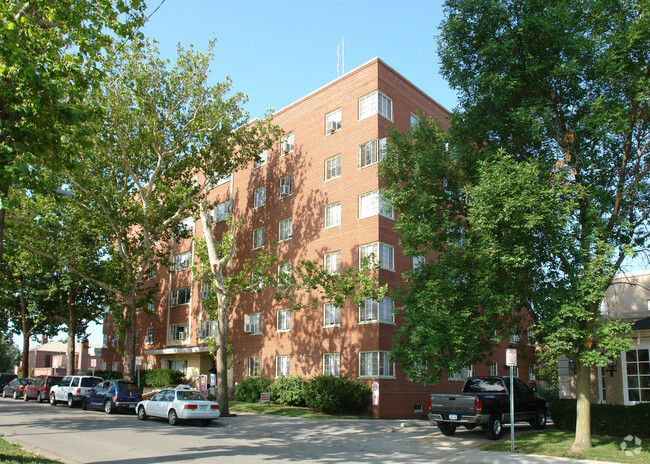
<point x="286" y="147"/>
<point x="332" y="126"/>
<point x="182" y="335"/>
<point x="285" y="189"/>
<point x="201" y="333"/>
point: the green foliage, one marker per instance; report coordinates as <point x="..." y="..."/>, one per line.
<point x="336" y="395"/>
<point x="249" y="388"/>
<point x="157" y="378"/>
<point x="109" y="375"/>
<point x="606" y="419"/>
<point x="9" y="355"/>
<point x="289" y="390"/>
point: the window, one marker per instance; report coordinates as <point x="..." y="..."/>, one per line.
<point x="253" y="323"/>
<point x="418" y="262"/>
<point x="284" y="320"/>
<point x="530" y="341"/>
<point x="531" y="373"/>
<point x="152" y="272"/>
<point x="494" y="369"/>
<point x="286" y="229"/>
<point x="148" y="338"/>
<point x="179" y="365"/>
<point x="375" y="364"/>
<point x="220" y="180"/>
<point x="258" y="238"/>
<point x="261" y="159"/>
<point x="281" y="366"/>
<point x="284" y="273"/>
<point x="209" y="329"/>
<point x="371" y="204"/>
<point x="114" y="367"/>
<point x="181" y="296"/>
<point x="374" y="103"/>
<point x="187" y="224"/>
<point x="414" y="120"/>
<point x="287" y="145"/>
<point x="380" y="251"/>
<point x="333" y="168"/>
<point x="332" y="364"/>
<point x="332" y="262"/>
<point x="464" y="373"/>
<point x="372" y="310"/>
<point x="514" y="336"/>
<point x="637" y="375"/>
<point x="181" y="261"/>
<point x="151" y="306"/>
<point x="179" y="332"/>
<point x="333" y="215"/>
<point x="371" y="152"/>
<point x="259" y="196"/>
<point x="103" y="365"/>
<point x="254" y="366"/>
<point x="148" y="365"/>
<point x="206" y="289"/>
<point x="286" y="185"/>
<point x="222" y="211"/>
<point x="331" y="315"/>
<point x="333" y="121"/>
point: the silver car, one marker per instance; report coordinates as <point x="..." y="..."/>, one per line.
<point x="181" y="403"/>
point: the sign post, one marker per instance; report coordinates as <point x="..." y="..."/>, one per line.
<point x="138" y="363"/>
<point x="511" y="360"/>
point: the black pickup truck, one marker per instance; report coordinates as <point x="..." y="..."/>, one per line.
<point x="485" y="402"/>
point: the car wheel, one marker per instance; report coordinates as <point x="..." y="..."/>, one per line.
<point x="539" y="422"/>
<point x="108" y="407"/>
<point x="84" y="404"/>
<point x="172" y="417"/>
<point x="52" y="399"/>
<point x="70" y="401"/>
<point x="446" y="429"/>
<point x="4" y="394"/>
<point x="15" y="394"/>
<point x="206" y="421"/>
<point x="495" y="427"/>
<point x="39" y="398"/>
<point x="25" y="397"/>
<point x="142" y="414"/>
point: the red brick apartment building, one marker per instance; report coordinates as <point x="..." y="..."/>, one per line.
<point x="315" y="195"/>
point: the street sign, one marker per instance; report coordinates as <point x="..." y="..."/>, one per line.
<point x="511" y="357"/>
<point x="138" y="360"/>
<point x="375" y="393"/>
<point x="265" y="397"/>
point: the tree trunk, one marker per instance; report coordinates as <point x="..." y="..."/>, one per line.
<point x="222" y="356"/>
<point x="72" y="332"/>
<point x="129" y="338"/>
<point x="583" y="408"/>
<point x="4" y="190"/>
<point x="26" y="333"/>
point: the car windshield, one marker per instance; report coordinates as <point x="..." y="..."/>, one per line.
<point x="128" y="387"/>
<point x="90" y="381"/>
<point x="190" y="395"/>
<point x="491" y="385"/>
<point x="51" y="381"/>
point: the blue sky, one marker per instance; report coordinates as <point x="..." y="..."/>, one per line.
<point x="277" y="52"/>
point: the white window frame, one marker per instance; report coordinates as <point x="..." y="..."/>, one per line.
<point x="151" y="306"/>
<point x="334" y="116"/>
<point x="181" y="261"/>
<point x="263" y="156"/>
<point x="331" y="315"/>
<point x="284" y="273"/>
<point x="371" y="152"/>
<point x="418" y="262"/>
<point x="222" y="211"/>
<point x="376" y="311"/>
<point x="206" y="289"/>
<point x="376" y="364"/>
<point x="188" y="223"/>
<point x="464" y="373"/>
<point x="254" y="323"/>
<point x="532" y="376"/>
<point x="180" y="296"/>
<point x="383" y="252"/>
<point x="627" y="371"/>
<point x="148" y="338"/>
<point x="333" y="168"/>
<point x="375" y="103"/>
<point x="175" y="331"/>
<point x="333" y="215"/>
<point x="254" y="366"/>
<point x="514" y="336"/>
<point x="332" y="364"/>
<point x="286" y="186"/>
<point x="259" y="197"/>
<point x="414" y="120"/>
<point x="332" y="262"/>
<point x="284" y="320"/>
<point x="285" y="230"/>
<point x="258" y="238"/>
<point x="115" y="366"/>
<point x="494" y="369"/>
<point x="282" y="366"/>
<point x="287" y="142"/>
<point x="372" y="204"/>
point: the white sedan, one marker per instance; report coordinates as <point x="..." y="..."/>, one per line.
<point x="181" y="403"/>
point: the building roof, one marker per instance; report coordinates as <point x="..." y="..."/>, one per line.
<point x="60" y="347"/>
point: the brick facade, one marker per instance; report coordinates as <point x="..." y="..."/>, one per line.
<point x="308" y="339"/>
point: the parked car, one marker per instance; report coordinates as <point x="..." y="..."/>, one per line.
<point x="5" y="378"/>
<point x="72" y="388"/>
<point x="485" y="402"/>
<point x="112" y="395"/>
<point x="181" y="403"/>
<point x="16" y="387"/>
<point x="39" y="389"/>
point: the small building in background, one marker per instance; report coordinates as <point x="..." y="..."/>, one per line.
<point x="50" y="358"/>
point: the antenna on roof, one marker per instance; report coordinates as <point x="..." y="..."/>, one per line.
<point x="340" y="58"/>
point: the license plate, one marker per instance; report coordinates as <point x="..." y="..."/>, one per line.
<point x="203" y="406"/>
<point x="132" y="405"/>
<point x="453" y="416"/>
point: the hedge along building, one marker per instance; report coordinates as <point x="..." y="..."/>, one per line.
<point x="315" y="194"/>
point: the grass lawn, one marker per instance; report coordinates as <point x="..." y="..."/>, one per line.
<point x="552" y="442"/>
<point x="13" y="454"/>
<point x="291" y="411"/>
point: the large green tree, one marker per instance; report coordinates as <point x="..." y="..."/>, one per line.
<point x="549" y="151"/>
<point x="49" y="58"/>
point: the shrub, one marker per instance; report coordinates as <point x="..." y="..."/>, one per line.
<point x="109" y="375"/>
<point x="157" y="378"/>
<point x="249" y="389"/>
<point x="335" y="395"/>
<point x="606" y="419"/>
<point x="289" y="390"/>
